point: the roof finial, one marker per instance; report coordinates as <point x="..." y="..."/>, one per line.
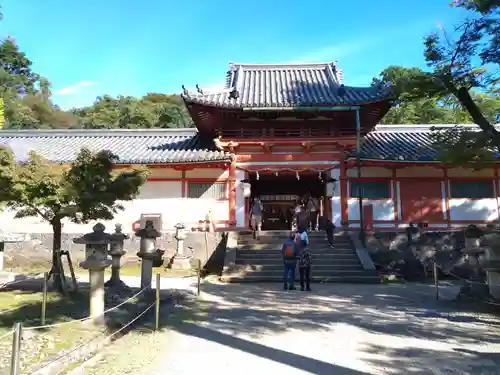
<point x="184" y="89"/>
<point x="341" y="90"/>
<point x="234" y="94"/>
<point x="200" y="91"/>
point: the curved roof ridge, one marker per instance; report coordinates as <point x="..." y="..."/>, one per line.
<point x="294" y="65"/>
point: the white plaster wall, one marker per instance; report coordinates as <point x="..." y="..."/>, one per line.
<point x="336" y="199"/>
<point x="473" y="209"/>
<point x="162" y="197"/>
<point x="383" y="209"/>
<point x="240" y="199"/>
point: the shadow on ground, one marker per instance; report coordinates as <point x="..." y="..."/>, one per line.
<point x="406" y="316"/>
<point x="76" y="305"/>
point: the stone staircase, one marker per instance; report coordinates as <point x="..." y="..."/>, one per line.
<point x="260" y="260"/>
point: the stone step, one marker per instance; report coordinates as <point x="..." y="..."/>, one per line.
<point x="313" y="248"/>
<point x="364" y="279"/>
<point x="283" y="233"/>
<point x="326" y="253"/>
<point x="243" y="270"/>
<point x="328" y="269"/>
<point x="280" y="241"/>
<point x="315" y="258"/>
<point x="351" y="261"/>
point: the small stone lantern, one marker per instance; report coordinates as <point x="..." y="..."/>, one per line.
<point x="116" y="251"/>
<point x="96" y="244"/>
<point x="180" y="260"/>
<point x="148" y="252"/>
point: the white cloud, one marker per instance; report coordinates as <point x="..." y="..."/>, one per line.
<point x="73" y="89"/>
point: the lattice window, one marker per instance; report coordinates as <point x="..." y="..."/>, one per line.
<point x="216" y="190"/>
<point x="469" y="189"/>
<point x="371" y="190"/>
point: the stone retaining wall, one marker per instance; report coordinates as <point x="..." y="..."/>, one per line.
<point x="37" y="251"/>
<point x="392" y="250"/>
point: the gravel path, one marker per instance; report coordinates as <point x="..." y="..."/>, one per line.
<point x="337" y="329"/>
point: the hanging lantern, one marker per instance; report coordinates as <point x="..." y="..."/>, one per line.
<point x="247" y="189"/>
<point x="276" y="173"/>
<point x="330" y="187"/>
<point x="258" y="176"/>
<point x="297" y="175"/>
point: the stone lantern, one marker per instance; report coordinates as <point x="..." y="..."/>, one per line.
<point x="148" y="252"/>
<point x="473" y="248"/>
<point x="96" y="242"/>
<point x="491" y="264"/>
<point x="116" y="251"/>
<point x="96" y="245"/>
<point x="180" y="261"/>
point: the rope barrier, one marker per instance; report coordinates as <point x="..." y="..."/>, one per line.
<point x="97" y="336"/>
<point x="7" y="334"/>
<point x="87" y="318"/>
<point x="450" y="273"/>
<point x="13" y="309"/>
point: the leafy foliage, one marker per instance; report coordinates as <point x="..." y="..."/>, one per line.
<point x="462" y="82"/>
<point x="28" y="102"/>
<point x="87" y="190"/>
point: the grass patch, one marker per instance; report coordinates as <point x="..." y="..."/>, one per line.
<point x="41" y="345"/>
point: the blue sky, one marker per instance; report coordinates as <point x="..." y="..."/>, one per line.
<point x="124" y="47"/>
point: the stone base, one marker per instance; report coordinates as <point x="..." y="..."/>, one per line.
<point x="181" y="263"/>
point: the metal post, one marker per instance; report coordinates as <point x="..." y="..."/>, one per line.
<point x="360" y="189"/>
<point x="436" y="280"/>
<point x="15" y="368"/>
<point x="44" y="298"/>
<point x="199" y="277"/>
<point x="157" y="307"/>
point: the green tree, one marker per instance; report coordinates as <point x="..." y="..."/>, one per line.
<point x="462" y="69"/>
<point x="153" y="110"/>
<point x="87" y="190"/>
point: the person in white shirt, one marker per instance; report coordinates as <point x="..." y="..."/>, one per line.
<point x="312" y="208"/>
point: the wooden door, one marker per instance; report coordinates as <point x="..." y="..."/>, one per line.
<point x="421" y="201"/>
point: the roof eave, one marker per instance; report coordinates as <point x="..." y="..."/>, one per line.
<point x="302" y="107"/>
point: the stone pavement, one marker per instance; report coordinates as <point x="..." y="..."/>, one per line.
<point x="337" y="329"/>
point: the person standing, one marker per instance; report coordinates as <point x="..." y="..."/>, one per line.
<point x="302" y="220"/>
<point x="305" y="260"/>
<point x="256" y="217"/>
<point x="290" y="253"/>
<point x="312" y="207"/>
<point x="330" y="230"/>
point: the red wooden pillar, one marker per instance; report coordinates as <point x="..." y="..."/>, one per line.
<point x="344" y="194"/>
<point x="232" y="193"/>
<point x="447" y="196"/>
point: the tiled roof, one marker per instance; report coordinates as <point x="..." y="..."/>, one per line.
<point x="403" y="143"/>
<point x="131" y="146"/>
<point x="411" y="143"/>
<point x="286" y="85"/>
